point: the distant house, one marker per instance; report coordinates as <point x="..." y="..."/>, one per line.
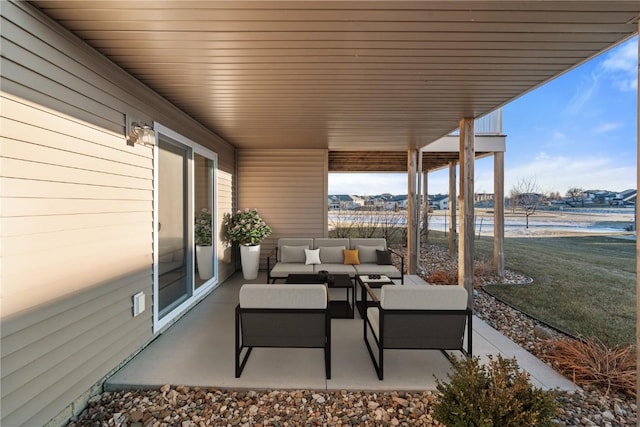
<point x="483" y="200"/>
<point x="396" y="203"/>
<point x="629" y="196"/>
<point x="345" y="202"/>
<point x="439" y="201"/>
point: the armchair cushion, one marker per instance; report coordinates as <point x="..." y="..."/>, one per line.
<point x="423" y="297"/>
<point x="283" y="296"/>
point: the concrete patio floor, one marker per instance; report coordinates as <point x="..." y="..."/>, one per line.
<point x="198" y="350"/>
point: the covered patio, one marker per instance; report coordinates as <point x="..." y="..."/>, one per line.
<point x="198" y="351"/>
<point x="242" y="104"/>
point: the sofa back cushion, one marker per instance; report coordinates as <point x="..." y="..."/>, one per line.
<point x="295" y="251"/>
<point x="423" y="297"/>
<point x="354" y="242"/>
<point x="283" y="296"/>
<point x="368" y="254"/>
<point x="332" y="254"/>
<point x="322" y="242"/>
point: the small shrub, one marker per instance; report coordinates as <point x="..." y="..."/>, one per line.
<point x="589" y="362"/>
<point x="493" y="395"/>
<point x="443" y="277"/>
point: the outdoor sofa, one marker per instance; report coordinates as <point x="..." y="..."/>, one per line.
<point x="352" y="256"/>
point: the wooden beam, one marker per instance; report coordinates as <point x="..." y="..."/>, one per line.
<point x="388" y="161"/>
<point x="412" y="221"/>
<point x="453" y="199"/>
<point x="466" y="239"/>
<point x="498" y="213"/>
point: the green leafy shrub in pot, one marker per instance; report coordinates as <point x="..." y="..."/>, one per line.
<point x="493" y="395"/>
<point x="246" y="227"/>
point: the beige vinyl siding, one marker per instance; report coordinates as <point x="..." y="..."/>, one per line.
<point x="289" y="189"/>
<point x="76" y="215"/>
<point x="225" y="206"/>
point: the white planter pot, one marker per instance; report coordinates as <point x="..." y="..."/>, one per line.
<point x="204" y="256"/>
<point x="250" y="258"/>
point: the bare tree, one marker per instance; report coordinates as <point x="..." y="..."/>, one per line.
<point x="576" y="194"/>
<point x="526" y="195"/>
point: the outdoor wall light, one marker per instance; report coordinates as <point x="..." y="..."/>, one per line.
<point x="140" y="132"/>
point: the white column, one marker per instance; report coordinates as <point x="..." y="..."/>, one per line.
<point x="466" y="237"/>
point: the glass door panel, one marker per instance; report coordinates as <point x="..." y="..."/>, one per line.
<point x="174" y="260"/>
<point x="203" y="203"/>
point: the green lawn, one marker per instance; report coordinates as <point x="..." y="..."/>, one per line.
<point x="584" y="285"/>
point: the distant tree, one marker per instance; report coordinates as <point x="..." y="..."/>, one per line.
<point x="526" y="195"/>
<point x="513" y="200"/>
<point x="576" y="193"/>
<point x="555" y="195"/>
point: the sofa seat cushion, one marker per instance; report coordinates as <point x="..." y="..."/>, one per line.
<point x="282" y="270"/>
<point x="336" y="269"/>
<point x="307" y="296"/>
<point x="387" y="270"/>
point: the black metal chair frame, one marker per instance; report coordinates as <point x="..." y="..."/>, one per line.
<point x="393" y="336"/>
<point x="281" y="328"/>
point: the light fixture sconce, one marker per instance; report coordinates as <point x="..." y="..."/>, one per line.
<point x="140" y="132"/>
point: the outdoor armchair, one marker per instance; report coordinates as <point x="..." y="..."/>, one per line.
<point x="417" y="317"/>
<point x="280" y="315"/>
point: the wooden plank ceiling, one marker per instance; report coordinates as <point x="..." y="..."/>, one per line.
<point x="344" y="75"/>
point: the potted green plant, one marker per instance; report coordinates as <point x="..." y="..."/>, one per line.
<point x="203" y="239"/>
<point x="247" y="228"/>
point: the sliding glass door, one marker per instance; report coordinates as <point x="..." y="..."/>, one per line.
<point x="174" y="260"/>
<point x="185" y="265"/>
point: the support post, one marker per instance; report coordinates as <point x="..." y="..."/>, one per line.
<point x="453" y="206"/>
<point x="412" y="221"/>
<point x="637" y="241"/>
<point x="466" y="238"/>
<point x="425" y="204"/>
<point x="498" y="213"/>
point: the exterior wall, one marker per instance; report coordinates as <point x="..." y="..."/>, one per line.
<point x="289" y="189"/>
<point x="76" y="215"/>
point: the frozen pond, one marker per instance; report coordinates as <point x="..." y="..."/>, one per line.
<point x="600" y="221"/>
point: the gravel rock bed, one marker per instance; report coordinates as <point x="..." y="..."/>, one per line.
<point x="185" y="407"/>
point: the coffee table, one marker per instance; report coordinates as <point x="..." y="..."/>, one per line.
<point x="339" y="309"/>
<point x="374" y="283"/>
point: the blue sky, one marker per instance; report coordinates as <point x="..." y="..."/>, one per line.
<point x="579" y="130"/>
